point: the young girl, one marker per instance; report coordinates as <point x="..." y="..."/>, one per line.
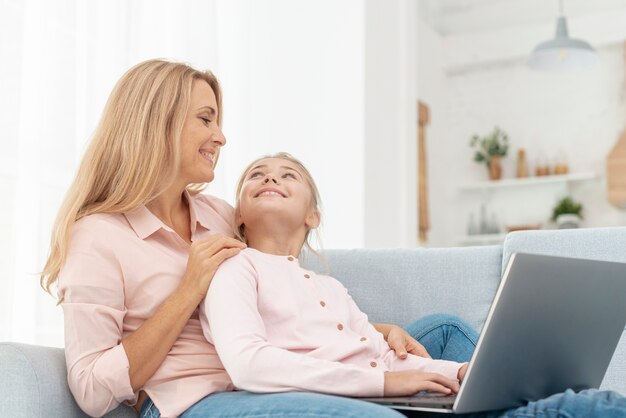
<point x="279" y="327"/>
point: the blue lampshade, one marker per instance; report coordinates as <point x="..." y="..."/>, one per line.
<point x="562" y="52"/>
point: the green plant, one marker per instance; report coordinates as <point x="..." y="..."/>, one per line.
<point x="495" y="143"/>
<point x="567" y="205"/>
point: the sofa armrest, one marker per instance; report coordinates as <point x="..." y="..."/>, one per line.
<point x="33" y="383"/>
<point x="607" y="244"/>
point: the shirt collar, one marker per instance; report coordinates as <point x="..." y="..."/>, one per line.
<point x="197" y="216"/>
<point x="145" y="223"/>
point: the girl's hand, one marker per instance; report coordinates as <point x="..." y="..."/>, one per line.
<point x="205" y="256"/>
<point x="401" y="342"/>
<point x="461" y="374"/>
<point x="409" y="382"/>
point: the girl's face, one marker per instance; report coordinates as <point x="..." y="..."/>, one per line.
<point x="201" y="137"/>
<point x="276" y="186"/>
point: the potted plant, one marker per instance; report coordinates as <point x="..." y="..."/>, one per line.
<point x="490" y="149"/>
<point x="567" y="213"/>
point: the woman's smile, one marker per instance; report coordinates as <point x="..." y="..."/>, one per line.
<point x="208" y="155"/>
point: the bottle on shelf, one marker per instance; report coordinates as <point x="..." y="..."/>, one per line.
<point x="522" y="165"/>
<point x="560" y="163"/>
<point x="542" y="168"/>
<point x="483" y="227"/>
<point x="472" y="227"/>
<point x="494" y="225"/>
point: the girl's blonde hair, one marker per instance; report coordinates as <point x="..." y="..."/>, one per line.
<point x="316" y="201"/>
<point x="134" y="153"/>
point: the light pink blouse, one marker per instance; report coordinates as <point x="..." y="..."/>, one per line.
<point x="119" y="269"/>
<point x="279" y="327"/>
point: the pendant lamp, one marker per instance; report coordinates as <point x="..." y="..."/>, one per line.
<point x="562" y="52"/>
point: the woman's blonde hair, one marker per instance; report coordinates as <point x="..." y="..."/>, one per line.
<point x="134" y="153"/>
<point x="316" y="201"/>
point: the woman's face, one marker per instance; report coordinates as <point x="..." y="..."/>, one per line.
<point x="276" y="186"/>
<point x="201" y="138"/>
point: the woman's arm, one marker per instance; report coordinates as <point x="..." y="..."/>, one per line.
<point x="148" y="346"/>
<point x="237" y="329"/>
<point x="103" y="370"/>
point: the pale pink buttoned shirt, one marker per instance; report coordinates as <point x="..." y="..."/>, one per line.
<point x="119" y="269"/>
<point x="279" y="327"/>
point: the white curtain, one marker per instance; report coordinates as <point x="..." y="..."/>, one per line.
<point x="293" y="79"/>
<point x="58" y="62"/>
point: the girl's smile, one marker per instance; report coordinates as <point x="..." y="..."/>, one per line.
<point x="270" y="191"/>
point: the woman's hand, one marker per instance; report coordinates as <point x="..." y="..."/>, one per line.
<point x="401" y="341"/>
<point x="409" y="382"/>
<point x="205" y="256"/>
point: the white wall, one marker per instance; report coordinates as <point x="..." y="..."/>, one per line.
<point x="331" y="82"/>
<point x="578" y="115"/>
<point x="432" y="89"/>
<point x="390" y="185"/>
<point x="293" y="77"/>
<point x="62" y="60"/>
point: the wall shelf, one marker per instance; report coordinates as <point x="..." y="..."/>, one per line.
<point x="493" y="192"/>
<point x="528" y="181"/>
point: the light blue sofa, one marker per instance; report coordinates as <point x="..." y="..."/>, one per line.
<point x="391" y="285"/>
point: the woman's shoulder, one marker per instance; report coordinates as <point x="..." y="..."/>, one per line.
<point x="99" y="222"/>
<point x="98" y="228"/>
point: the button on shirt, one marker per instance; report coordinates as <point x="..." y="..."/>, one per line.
<point x="119" y="270"/>
<point x="264" y="315"/>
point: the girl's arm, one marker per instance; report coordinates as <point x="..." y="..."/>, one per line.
<point x="231" y="320"/>
<point x="360" y="323"/>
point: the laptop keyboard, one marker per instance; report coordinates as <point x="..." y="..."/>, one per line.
<point x="427" y="394"/>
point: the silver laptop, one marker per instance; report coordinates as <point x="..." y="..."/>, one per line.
<point x="554" y="324"/>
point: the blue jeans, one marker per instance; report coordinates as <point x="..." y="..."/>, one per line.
<point x="277" y="405"/>
<point x="589" y="403"/>
<point x="444" y="337"/>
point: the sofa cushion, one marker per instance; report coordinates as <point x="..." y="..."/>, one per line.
<point x="411" y="283"/>
<point x="33" y="384"/>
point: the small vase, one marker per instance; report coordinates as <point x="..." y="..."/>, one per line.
<point x="568" y="220"/>
<point x="522" y="166"/>
<point x="495" y="168"/>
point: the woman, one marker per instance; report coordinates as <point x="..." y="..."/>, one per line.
<point x="134" y="250"/>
